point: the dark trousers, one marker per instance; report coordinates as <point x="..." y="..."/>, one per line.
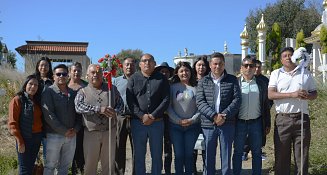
<point x="167" y="147"/>
<point x="27" y="159"/>
<point x="123" y="131"/>
<point x="287" y="134"/>
<point x="78" y="161"/>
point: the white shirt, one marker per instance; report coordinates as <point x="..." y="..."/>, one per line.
<point x="286" y="82"/>
<point x="217" y="90"/>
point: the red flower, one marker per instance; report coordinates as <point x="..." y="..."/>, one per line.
<point x="100" y="60"/>
<point x="113" y="72"/>
<point x="120" y="65"/>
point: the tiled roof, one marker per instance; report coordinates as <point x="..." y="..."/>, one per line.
<point x="53" y="46"/>
<point x="50" y="48"/>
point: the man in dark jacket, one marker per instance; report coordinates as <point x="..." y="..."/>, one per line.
<point x="218" y="99"/>
<point x="253" y="118"/>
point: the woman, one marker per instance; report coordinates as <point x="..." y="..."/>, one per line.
<point x="43" y="72"/>
<point x="201" y="69"/>
<point x="44" y="75"/>
<point x="76" y="83"/>
<point x="25" y="124"/>
<point x="184" y="125"/>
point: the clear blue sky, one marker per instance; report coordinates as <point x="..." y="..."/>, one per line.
<point x="161" y="28"/>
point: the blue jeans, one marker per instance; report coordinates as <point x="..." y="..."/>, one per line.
<point x="225" y="134"/>
<point x="253" y="130"/>
<point x="183" y="140"/>
<point x="60" y="153"/>
<point x="140" y="135"/>
<point x="27" y="159"/>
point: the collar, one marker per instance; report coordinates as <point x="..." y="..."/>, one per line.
<point x="217" y="79"/>
<point x="243" y="79"/>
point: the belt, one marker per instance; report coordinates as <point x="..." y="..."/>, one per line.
<point x="248" y="121"/>
<point x="292" y="115"/>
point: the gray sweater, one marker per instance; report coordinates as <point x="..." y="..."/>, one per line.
<point x="182" y="103"/>
<point x="59" y="111"/>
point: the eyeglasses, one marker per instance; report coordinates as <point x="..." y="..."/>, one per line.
<point x="59" y="74"/>
<point x="248" y="65"/>
<point x="146" y="60"/>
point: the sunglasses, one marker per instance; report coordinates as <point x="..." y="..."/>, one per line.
<point x="248" y="65"/>
<point x="59" y="74"/>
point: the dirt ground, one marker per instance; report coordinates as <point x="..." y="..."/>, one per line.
<point x="246" y="164"/>
<point x="8" y="145"/>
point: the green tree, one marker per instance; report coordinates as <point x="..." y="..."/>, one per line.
<point x="136" y="54"/>
<point x="323" y="39"/>
<point x="11" y="59"/>
<point x="300" y="39"/>
<point x="291" y="15"/>
<point x="274" y="44"/>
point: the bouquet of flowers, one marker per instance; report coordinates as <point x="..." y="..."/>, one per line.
<point x="109" y="65"/>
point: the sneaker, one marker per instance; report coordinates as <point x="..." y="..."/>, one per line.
<point x="245" y="157"/>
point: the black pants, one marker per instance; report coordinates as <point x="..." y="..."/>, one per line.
<point x="167" y="147"/>
<point x="78" y="161"/>
<point x="123" y="131"/>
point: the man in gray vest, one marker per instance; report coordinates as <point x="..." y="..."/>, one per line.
<point x="124" y="120"/>
<point x="92" y="102"/>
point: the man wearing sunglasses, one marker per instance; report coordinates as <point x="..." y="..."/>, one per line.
<point x="253" y="121"/>
<point x="61" y="122"/>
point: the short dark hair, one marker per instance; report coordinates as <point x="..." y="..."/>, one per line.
<point x="62" y="66"/>
<point x="290" y="49"/>
<point x="258" y="62"/>
<point x="76" y="64"/>
<point x="151" y="56"/>
<point x="249" y="58"/>
<point x="218" y="55"/>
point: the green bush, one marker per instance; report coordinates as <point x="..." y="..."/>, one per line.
<point x="7" y="164"/>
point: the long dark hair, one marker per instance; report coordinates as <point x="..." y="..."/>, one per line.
<point x="203" y="58"/>
<point x="37" y="72"/>
<point x="175" y="78"/>
<point x="37" y="96"/>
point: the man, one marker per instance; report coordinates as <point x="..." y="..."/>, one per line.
<point x="76" y="83"/>
<point x="258" y="72"/>
<point x="253" y="121"/>
<point x="60" y="122"/>
<point x="147" y="98"/>
<point x="291" y="95"/>
<point x="167" y="71"/>
<point x="258" y="75"/>
<point x="124" y="120"/>
<point x="92" y="102"/>
<point x="218" y="99"/>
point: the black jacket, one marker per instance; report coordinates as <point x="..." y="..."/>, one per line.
<point x="230" y="99"/>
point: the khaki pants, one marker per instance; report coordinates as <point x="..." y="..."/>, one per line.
<point x="287" y="135"/>
<point x="96" y="147"/>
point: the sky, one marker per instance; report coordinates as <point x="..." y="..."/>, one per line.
<point x="159" y="27"/>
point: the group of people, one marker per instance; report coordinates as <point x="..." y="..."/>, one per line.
<point x="166" y="107"/>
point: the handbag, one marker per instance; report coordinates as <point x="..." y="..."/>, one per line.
<point x="38" y="167"/>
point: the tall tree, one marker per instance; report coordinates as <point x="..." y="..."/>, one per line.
<point x="136" y="54"/>
<point x="300" y="39"/>
<point x="291" y="15"/>
<point x="11" y="59"/>
<point x="323" y="39"/>
<point x="274" y="44"/>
